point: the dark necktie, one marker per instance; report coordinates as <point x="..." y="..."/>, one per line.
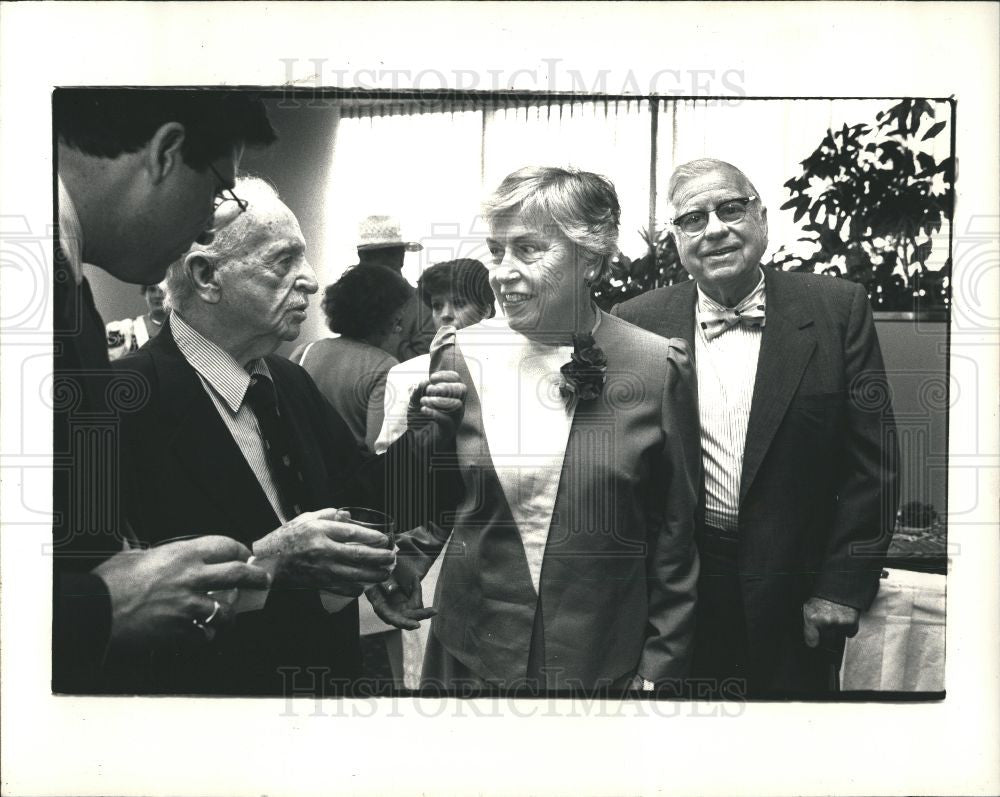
<point x="277" y="444"/>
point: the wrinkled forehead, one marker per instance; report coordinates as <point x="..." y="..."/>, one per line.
<point x="520" y="223"/>
<point x="709" y="186"/>
<point x="270" y="228"/>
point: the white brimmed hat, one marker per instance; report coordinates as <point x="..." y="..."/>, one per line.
<point x="380" y="232"/>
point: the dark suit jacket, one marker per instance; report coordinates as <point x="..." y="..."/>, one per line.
<point x="191" y="478"/>
<point x="619" y="569"/>
<point x="86" y="479"/>
<point x="819" y="486"/>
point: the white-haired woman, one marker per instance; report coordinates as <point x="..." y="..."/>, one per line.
<point x="572" y="563"/>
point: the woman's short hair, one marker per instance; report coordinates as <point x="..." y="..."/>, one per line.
<point x="465" y="278"/>
<point x="364" y="300"/>
<point x="583" y="205"/>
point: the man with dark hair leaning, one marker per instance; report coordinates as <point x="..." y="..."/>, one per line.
<point x="140" y="173"/>
<point x="798" y="444"/>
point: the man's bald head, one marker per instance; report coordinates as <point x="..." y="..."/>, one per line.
<point x="237" y="241"/>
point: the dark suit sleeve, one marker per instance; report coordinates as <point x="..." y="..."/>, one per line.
<point x="415" y="481"/>
<point x="82" y="612"/>
<point x="867" y="472"/>
<point x="672" y="563"/>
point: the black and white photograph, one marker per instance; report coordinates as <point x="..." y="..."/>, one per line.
<point x="400" y="404"/>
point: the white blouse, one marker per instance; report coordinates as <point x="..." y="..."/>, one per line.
<point x="526" y="422"/>
<point x="525" y="419"/>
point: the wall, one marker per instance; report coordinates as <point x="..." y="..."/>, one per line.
<point x="298" y="165"/>
<point x="114" y="299"/>
<point x="916" y="361"/>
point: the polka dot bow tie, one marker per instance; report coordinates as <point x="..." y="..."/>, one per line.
<point x="715" y="322"/>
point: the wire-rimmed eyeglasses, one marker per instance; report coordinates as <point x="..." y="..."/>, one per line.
<point x="729" y="212"/>
<point x="227" y="205"/>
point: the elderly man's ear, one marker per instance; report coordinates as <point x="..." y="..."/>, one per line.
<point x="203" y="272"/>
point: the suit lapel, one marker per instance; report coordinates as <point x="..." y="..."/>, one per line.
<point x="205" y="447"/>
<point x="786" y="346"/>
<point x="678" y="313"/>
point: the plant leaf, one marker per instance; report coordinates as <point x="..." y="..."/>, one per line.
<point x="934" y="130"/>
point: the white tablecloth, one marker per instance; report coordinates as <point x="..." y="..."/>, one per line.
<point x="900" y="643"/>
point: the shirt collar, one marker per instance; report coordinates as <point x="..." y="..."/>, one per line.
<point x="757" y="296"/>
<point x="70" y="233"/>
<point x="217" y="367"/>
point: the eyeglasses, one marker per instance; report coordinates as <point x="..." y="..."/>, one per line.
<point x="729" y="212"/>
<point x="227" y="205"/>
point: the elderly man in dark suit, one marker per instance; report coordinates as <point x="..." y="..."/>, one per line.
<point x="237" y="442"/>
<point x="798" y="443"/>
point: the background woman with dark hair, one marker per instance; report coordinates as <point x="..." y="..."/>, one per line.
<point x="363" y="308"/>
<point x="458" y="293"/>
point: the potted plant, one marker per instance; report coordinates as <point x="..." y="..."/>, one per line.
<point x="873" y="197"/>
<point x="626" y="278"/>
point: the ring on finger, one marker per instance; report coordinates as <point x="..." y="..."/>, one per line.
<point x="208" y="631"/>
<point x="216" y="606"/>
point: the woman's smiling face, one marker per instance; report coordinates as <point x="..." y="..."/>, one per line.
<point x="536" y="274"/>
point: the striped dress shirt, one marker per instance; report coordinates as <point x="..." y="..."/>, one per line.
<point x="727" y="370"/>
<point x="226" y="383"/>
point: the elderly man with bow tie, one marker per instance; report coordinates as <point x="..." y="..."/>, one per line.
<point x="798" y="443"/>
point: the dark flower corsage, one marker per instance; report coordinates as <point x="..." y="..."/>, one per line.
<point x="584" y="375"/>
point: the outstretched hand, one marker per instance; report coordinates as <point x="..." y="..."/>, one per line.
<point x="162" y="594"/>
<point x="399" y="601"/>
<point x="325" y="550"/>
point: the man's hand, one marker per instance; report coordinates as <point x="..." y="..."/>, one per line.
<point x="158" y="594"/>
<point x="439" y="399"/>
<point x="319" y="551"/>
<point x="399" y="602"/>
<point x="826" y="620"/>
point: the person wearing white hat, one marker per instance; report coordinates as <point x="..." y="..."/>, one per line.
<point x="380" y="243"/>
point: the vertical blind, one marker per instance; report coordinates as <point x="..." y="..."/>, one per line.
<point x="431" y="162"/>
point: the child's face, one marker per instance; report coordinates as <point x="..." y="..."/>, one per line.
<point x="450" y="310"/>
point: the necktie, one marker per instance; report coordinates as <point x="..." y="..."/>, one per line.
<point x="277" y="444"/>
<point x="715" y="322"/>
